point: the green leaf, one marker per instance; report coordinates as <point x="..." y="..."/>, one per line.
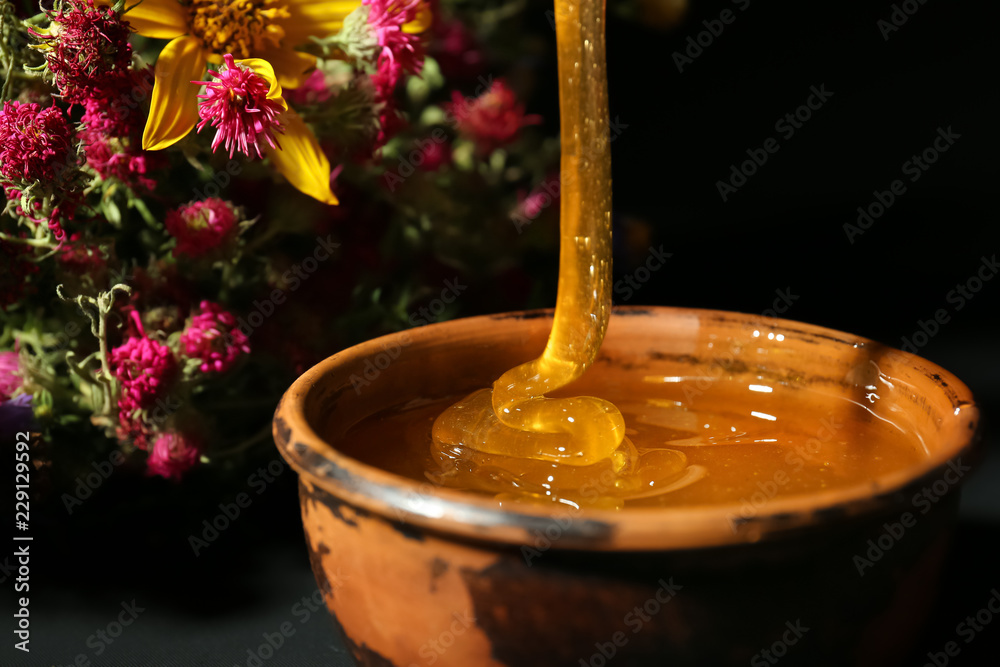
<point x="417" y="89"/>
<point x="431" y="73"/>
<point x="112" y="212"/>
<point x="497" y="160"/>
<point x="434" y="115"/>
<point x="463" y="153"/>
<point x="80" y="369"/>
<point x="191" y="369"/>
<point x="139" y="205"/>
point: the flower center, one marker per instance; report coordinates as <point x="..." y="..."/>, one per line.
<point x="236" y="104"/>
<point x="240" y="27"/>
<point x="199" y="220"/>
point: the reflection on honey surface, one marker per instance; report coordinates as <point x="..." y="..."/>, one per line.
<point x="691" y="441"/>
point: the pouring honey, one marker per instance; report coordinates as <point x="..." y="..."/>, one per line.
<point x="535" y="437"/>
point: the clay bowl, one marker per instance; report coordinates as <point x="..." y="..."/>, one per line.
<point x="417" y="575"/>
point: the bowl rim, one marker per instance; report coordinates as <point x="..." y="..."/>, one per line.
<point x="419" y="505"/>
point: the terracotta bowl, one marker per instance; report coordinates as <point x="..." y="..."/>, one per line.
<point x="418" y="575"/>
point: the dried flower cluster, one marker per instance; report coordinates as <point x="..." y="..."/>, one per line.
<point x="180" y="239"/>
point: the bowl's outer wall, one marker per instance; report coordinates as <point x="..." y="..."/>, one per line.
<point x="405" y="596"/>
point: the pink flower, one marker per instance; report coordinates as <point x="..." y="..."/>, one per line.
<point x="456" y="51"/>
<point x="313" y="91"/>
<point x="436" y="155"/>
<point x="111" y="158"/>
<point x="532" y="205"/>
<point x="83" y="258"/>
<point x="10" y="378"/>
<point x="87" y="50"/>
<point x="173" y="454"/>
<point x="401" y="51"/>
<point x="112" y="112"/>
<point x="542" y="197"/>
<point x="238" y="106"/>
<point x="146" y="370"/>
<point x="35" y="143"/>
<point x="390" y="123"/>
<point x="493" y="119"/>
<point x="111" y="133"/>
<point x="214" y="337"/>
<point x="201" y="226"/>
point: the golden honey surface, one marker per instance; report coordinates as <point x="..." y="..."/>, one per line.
<point x="733" y="442"/>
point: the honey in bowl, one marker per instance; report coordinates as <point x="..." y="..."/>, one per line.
<point x="739" y="441"/>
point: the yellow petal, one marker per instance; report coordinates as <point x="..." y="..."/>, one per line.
<point x="301" y="160"/>
<point x="263" y="69"/>
<point x="422" y="21"/>
<point x="159" y="19"/>
<point x="315" y="18"/>
<point x="290" y="66"/>
<point x="173" y="110"/>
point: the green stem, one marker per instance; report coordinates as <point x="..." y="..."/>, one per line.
<point x="108" y="379"/>
<point x="34" y="243"/>
<point x="5" y="93"/>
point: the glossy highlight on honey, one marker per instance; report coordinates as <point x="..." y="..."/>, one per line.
<point x="743" y="441"/>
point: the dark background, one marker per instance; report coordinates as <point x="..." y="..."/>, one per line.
<point x="783" y="229"/>
<point x="785" y="226"/>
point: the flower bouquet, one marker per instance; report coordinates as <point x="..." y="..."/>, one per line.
<point x="203" y="198"/>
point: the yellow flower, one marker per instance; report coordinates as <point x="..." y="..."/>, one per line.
<point x="245" y="106"/>
<point x="203" y="31"/>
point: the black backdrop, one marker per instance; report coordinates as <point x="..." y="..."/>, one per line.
<point x="785" y="227"/>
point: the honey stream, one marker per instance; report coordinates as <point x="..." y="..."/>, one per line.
<point x="512" y="439"/>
